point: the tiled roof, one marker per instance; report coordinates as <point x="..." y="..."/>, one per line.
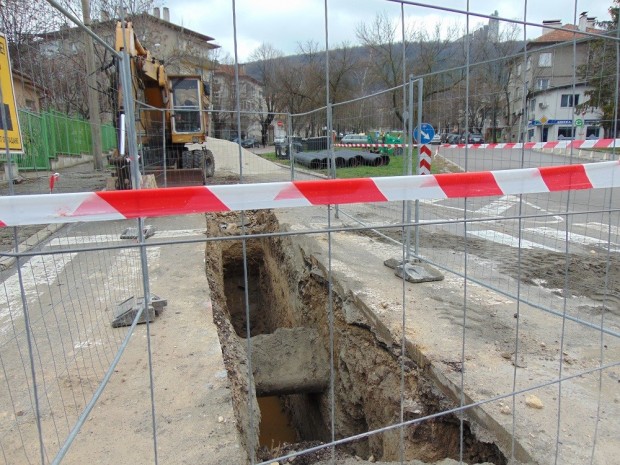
<point x="229" y="70"/>
<point x="110" y="26"/>
<point x="565" y="34"/>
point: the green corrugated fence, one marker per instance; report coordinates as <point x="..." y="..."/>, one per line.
<point x="49" y="134"/>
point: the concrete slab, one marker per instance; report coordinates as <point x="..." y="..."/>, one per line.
<point x="289" y="361"/>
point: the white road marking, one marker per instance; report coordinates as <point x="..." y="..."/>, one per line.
<point x="506" y="239"/>
<point x="38" y="274"/>
<point x="560" y="235"/>
<point x="41" y="272"/>
<point x="105" y="238"/>
<point x="499" y="206"/>
<point x="602" y="227"/>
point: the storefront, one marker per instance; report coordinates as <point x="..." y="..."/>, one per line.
<point x="546" y="130"/>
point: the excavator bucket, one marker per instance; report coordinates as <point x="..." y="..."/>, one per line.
<point x="178" y="177"/>
<point x="198" y="165"/>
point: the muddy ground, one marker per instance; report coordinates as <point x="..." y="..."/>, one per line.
<point x="582" y="276"/>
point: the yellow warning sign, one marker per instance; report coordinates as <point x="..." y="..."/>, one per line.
<point x="9" y="115"/>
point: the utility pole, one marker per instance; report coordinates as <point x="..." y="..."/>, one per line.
<point x="91" y="82"/>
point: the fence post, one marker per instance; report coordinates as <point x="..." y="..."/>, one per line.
<point x="165" y="164"/>
<point x="132" y="145"/>
<point x="67" y="138"/>
<point x="409" y="166"/>
<point x="417" y="202"/>
<point x="5" y="126"/>
<point x="289" y="133"/>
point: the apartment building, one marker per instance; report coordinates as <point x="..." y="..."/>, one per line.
<point x="546" y="89"/>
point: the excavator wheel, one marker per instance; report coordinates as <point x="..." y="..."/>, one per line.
<point x="204" y="160"/>
<point x="187" y="159"/>
<point x="209" y="164"/>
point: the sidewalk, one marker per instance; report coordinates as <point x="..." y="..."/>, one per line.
<point x="76" y="178"/>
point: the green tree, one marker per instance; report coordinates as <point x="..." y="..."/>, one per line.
<point x="599" y="72"/>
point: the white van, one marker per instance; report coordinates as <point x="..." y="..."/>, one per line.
<point x="354" y="139"/>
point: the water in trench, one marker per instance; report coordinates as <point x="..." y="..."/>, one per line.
<point x="275" y="428"/>
<point x="283" y="293"/>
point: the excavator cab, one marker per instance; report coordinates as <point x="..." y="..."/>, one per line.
<point x="188" y="125"/>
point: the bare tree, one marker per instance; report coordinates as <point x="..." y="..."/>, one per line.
<point x="268" y="60"/>
<point x="342" y="66"/>
<point x="427" y="53"/>
<point x="491" y="77"/>
<point x="384" y="58"/>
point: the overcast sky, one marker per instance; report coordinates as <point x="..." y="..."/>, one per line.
<point x="285" y="23"/>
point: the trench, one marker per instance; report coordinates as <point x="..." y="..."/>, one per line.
<point x="285" y="292"/>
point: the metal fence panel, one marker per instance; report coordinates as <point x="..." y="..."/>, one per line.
<point x="470" y="314"/>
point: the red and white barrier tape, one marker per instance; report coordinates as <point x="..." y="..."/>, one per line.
<point x="389" y="146"/>
<point x="117" y="205"/>
<point x="558" y="144"/>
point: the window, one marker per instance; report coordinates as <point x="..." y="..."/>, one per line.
<point x="593" y="131"/>
<point x="528" y="65"/>
<point x="532" y="105"/>
<point x="542" y="84"/>
<point x="569" y="100"/>
<point x="565" y="132"/>
<point x="545" y="60"/>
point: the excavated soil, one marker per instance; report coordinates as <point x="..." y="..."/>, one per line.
<point x="288" y="289"/>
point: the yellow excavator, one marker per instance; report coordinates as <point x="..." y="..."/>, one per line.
<point x="171" y="141"/>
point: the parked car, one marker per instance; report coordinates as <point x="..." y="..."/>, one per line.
<point x="453" y="138"/>
<point x="436" y="139"/>
<point x="279" y="140"/>
<point x="355" y="139"/>
<point x="473" y="139"/>
<point x="249" y="143"/>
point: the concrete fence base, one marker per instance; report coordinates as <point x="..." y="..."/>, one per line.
<point x="4" y="172"/>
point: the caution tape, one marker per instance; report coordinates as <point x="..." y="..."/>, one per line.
<point x="558" y="144"/>
<point x="389" y="146"/>
<point x="118" y="205"/>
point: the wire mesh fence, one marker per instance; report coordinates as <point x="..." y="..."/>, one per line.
<point x="57" y="340"/>
<point x="467" y="315"/>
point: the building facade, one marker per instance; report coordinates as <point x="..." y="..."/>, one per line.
<point x="546" y="88"/>
<point x="223" y="97"/>
<point x="28" y="95"/>
<point x="183" y="51"/>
